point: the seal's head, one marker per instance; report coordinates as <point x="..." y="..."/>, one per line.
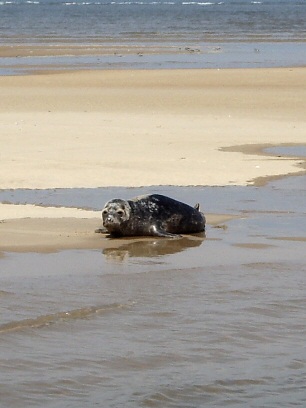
<point x="115" y="214"/>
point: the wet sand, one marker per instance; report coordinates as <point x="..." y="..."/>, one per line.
<point x="54" y="234"/>
<point x="82" y="50"/>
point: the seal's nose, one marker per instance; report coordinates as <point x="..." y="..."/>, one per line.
<point x="109" y="219"/>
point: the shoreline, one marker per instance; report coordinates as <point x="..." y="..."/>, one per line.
<point x="92" y="129"/>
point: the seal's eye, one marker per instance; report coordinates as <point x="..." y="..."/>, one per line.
<point x="104" y="212"/>
<point x="120" y="212"/>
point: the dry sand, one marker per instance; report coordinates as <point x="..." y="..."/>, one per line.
<point x="135" y="128"/>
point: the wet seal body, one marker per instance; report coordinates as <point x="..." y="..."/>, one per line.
<point x="151" y="215"/>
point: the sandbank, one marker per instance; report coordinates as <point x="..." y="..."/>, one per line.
<point x="136" y="128"/>
<point x="11" y="51"/>
<point x="55" y="234"/>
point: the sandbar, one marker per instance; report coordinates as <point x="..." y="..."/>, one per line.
<point x="141" y="128"/>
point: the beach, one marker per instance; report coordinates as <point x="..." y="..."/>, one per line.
<point x="145" y="128"/>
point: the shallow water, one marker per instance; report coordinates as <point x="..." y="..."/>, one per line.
<point x="295" y="151"/>
<point x="193" y="322"/>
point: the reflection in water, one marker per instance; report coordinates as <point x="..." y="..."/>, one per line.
<point x="149" y="248"/>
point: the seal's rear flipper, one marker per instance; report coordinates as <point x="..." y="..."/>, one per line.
<point x="156" y="232"/>
<point x="197" y="206"/>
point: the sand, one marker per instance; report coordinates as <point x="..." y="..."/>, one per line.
<point x="136" y="128"/>
<point x="83" y="49"/>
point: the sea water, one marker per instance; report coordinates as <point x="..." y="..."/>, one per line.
<point x="209" y="34"/>
<point x="81" y="21"/>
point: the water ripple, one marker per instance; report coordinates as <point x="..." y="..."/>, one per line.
<point x="50" y="319"/>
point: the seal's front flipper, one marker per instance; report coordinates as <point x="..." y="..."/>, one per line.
<point x="158" y="232"/>
<point x="101" y="230"/>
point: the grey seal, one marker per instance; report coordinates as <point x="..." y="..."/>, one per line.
<point x="151" y="215"/>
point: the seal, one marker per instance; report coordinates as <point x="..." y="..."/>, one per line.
<point x="151" y="215"/>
